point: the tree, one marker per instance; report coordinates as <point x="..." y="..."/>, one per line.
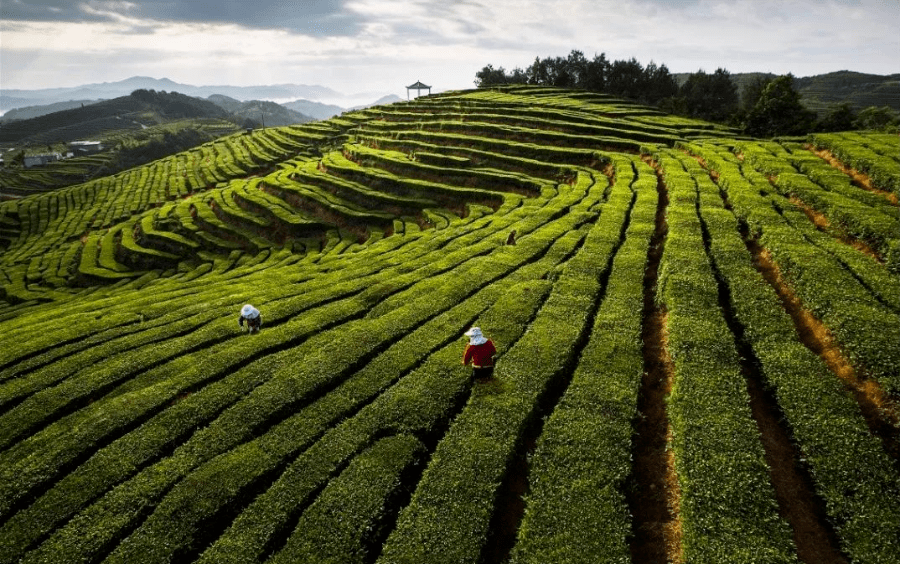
<point x="518" y="76"/>
<point x="489" y="76"/>
<point x="625" y="79"/>
<point x="753" y="90"/>
<point x="538" y="73"/>
<point x="658" y="84"/>
<point x="876" y="118"/>
<point x="840" y="118"/>
<point x="577" y="66"/>
<point x="559" y="73"/>
<point x="18" y="159"/>
<point x="779" y="111"/>
<point x="594" y="78"/>
<point x="710" y="96"/>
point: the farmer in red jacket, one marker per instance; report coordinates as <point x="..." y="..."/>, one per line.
<point x="480" y="353"/>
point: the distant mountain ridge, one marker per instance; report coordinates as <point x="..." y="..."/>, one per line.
<point x="133" y="111"/>
<point x="68" y="121"/>
<point x="859" y="90"/>
<point x="17" y="98"/>
<point x="824" y="91"/>
<point x="262" y="112"/>
<point x="29" y="112"/>
<point x="317" y="110"/>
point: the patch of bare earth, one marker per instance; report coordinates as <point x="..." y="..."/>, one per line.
<point x="822" y="224"/>
<point x="860" y="179"/>
<point x="655" y="497"/>
<point x="880" y="410"/>
<point x="797" y="502"/>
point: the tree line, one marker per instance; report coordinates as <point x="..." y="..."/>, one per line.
<point x="766" y="107"/>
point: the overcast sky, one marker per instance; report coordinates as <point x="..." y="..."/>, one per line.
<point x="383" y="45"/>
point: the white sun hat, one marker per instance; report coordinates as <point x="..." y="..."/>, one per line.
<point x="249" y="312"/>
<point x="475" y="336"/>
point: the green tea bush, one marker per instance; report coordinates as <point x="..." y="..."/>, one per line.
<point x="279" y="396"/>
<point x="876" y="279"/>
<point x="448" y="517"/>
<point x="345" y="521"/>
<point x="866" y="329"/>
<point x="832" y="435"/>
<point x="728" y="507"/>
<point x="880" y="168"/>
<point x="138" y="424"/>
<point x="583" y="456"/>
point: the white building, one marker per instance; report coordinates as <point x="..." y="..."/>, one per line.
<point x="85" y="147"/>
<point x="41" y="160"/>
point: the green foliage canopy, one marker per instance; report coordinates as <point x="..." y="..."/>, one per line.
<point x="779" y="111"/>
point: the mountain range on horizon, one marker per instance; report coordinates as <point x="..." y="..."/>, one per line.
<point x="819" y="93"/>
<point x="283" y="93"/>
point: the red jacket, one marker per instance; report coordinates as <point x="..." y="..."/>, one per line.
<point x="481" y="355"/>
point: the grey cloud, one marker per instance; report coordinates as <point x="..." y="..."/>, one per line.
<point x="308" y="17"/>
<point x="423" y="28"/>
<point x="47" y="10"/>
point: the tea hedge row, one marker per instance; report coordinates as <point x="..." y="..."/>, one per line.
<point x="873" y="225"/>
<point x="359" y="194"/>
<point x="568" y="122"/>
<point x="399" y="164"/>
<point x="866" y="329"/>
<point x="833" y="438"/>
<point x="832" y="179"/>
<point x="358" y="343"/>
<point x="545" y="153"/>
<point x="728" y="509"/>
<point x="877" y="280"/>
<point x="580" y="467"/>
<point x="515" y="133"/>
<point x="130" y="192"/>
<point x="207" y="336"/>
<point x="880" y="168"/>
<point x="460" y="254"/>
<point x="422" y="402"/>
<point x="344" y="524"/>
<point x="448" y="517"/>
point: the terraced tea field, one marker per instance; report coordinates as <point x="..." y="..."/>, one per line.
<point x="698" y="345"/>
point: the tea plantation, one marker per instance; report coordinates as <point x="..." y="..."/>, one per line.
<point x="698" y="344"/>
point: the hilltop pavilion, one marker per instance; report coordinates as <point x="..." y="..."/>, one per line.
<point x="418" y="86"/>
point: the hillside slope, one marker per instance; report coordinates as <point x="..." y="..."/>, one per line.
<point x="260" y="112"/>
<point x="859" y="90"/>
<point x="822" y="92"/>
<point x="697" y="344"/>
<point x="140" y="109"/>
<point x="30" y="112"/>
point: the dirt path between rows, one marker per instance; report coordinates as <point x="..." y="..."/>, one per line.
<point x="881" y="412"/>
<point x="861" y="180"/>
<point x="655" y="500"/>
<point x="823" y="224"/>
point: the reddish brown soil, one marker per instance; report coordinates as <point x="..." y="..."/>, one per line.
<point x="860" y="179"/>
<point x="881" y="411"/>
<point x="821" y="222"/>
<point x="797" y="502"/>
<point x="656" y="505"/>
<point x="655" y="502"/>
